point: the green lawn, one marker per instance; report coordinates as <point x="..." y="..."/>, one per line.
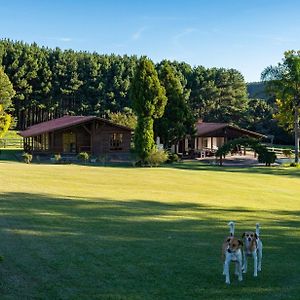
<point x="83" y="232"/>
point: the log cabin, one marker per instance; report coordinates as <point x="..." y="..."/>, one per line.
<point x="75" y="134"/>
<point x="209" y="137"/>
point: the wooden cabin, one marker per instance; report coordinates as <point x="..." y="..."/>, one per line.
<point x="210" y="136"/>
<point x="75" y="134"/>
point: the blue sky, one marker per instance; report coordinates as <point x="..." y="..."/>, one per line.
<point x="247" y="35"/>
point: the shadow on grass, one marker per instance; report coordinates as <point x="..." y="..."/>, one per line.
<point x="74" y="248"/>
<point x="274" y="170"/>
<point x="10" y="154"/>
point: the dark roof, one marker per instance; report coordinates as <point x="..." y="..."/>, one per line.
<point x="64" y="122"/>
<point x="204" y="128"/>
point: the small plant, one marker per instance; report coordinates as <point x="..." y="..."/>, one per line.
<point x="57" y="158"/>
<point x="27" y="157"/>
<point x="83" y="156"/>
<point x="172" y="157"/>
<point x="103" y="159"/>
<point x="287" y="153"/>
<point x="156" y="158"/>
<point x="93" y="159"/>
<point x="1" y="258"/>
<point x="293" y="164"/>
<point x="267" y="157"/>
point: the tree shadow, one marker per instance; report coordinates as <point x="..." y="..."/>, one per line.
<point x="75" y="248"/>
<point x="273" y="170"/>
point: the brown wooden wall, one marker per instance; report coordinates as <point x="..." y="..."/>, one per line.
<point x="101" y="139"/>
<point x="93" y="137"/>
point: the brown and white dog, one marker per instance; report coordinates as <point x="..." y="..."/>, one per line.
<point x="232" y="251"/>
<point x="253" y="247"/>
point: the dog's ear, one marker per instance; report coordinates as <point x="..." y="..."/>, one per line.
<point x="240" y="243"/>
<point x="243" y="235"/>
<point x="255" y="235"/>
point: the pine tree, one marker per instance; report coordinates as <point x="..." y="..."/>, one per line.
<point x="178" y="120"/>
<point x="148" y="100"/>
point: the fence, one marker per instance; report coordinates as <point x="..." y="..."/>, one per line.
<point x="11" y="143"/>
<point x="279" y="150"/>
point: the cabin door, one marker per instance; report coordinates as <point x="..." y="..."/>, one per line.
<point x="69" y="142"/>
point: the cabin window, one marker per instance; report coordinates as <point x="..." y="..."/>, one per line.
<point x="205" y="143"/>
<point x="116" y="140"/>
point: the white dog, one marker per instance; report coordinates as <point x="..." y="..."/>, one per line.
<point x="254" y="247"/>
<point x="232" y="251"/>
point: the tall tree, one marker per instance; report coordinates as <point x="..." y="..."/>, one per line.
<point x="284" y="81"/>
<point x="126" y="117"/>
<point x="6" y="93"/>
<point x="148" y="100"/>
<point x="218" y="94"/>
<point x="178" y="119"/>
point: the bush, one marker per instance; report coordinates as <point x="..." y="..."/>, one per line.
<point x="293" y="164"/>
<point x="172" y="157"/>
<point x="156" y="158"/>
<point x="267" y="157"/>
<point x="27" y="157"/>
<point x="287" y="153"/>
<point x="57" y="158"/>
<point x="93" y="159"/>
<point x="103" y="158"/>
<point x="83" y="156"/>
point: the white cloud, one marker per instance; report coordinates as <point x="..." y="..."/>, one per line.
<point x="64" y="39"/>
<point x="185" y="32"/>
<point x="137" y="35"/>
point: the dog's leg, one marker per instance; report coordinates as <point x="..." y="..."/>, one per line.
<point x="236" y="270"/>
<point x="254" y="254"/>
<point x="226" y="268"/>
<point x="245" y="265"/>
<point x="260" y="249"/>
<point x="239" y="264"/>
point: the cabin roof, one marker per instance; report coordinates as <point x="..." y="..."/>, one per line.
<point x="62" y="123"/>
<point x="205" y="128"/>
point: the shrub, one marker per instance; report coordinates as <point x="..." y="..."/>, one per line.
<point x="93" y="159"/>
<point x="83" y="156"/>
<point x="57" y="158"/>
<point x="267" y="157"/>
<point x="27" y="157"/>
<point x="287" y="153"/>
<point x="172" y="157"/>
<point x="293" y="164"/>
<point x="103" y="158"/>
<point x="156" y="158"/>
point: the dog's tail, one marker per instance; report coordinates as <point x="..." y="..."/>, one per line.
<point x="231" y="228"/>
<point x="257" y="231"/>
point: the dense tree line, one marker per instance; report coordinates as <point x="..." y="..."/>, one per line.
<point x="51" y="82"/>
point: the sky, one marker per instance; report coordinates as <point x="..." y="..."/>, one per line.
<point x="247" y="35"/>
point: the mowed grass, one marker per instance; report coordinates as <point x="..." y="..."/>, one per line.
<point x="83" y="232"/>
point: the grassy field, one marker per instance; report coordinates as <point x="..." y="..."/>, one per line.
<point x="79" y="232"/>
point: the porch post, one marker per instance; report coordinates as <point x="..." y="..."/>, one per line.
<point x="51" y="134"/>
